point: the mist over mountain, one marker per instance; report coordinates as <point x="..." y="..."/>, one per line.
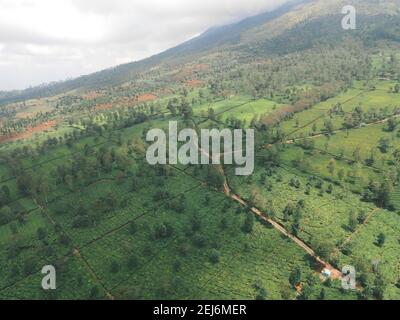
<point x="296" y="26"/>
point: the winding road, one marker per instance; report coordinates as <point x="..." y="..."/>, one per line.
<point x="336" y="274"/>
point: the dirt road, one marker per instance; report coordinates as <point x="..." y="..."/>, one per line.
<point x="336" y="274"/>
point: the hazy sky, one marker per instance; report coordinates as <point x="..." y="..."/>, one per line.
<point x="49" y="40"/>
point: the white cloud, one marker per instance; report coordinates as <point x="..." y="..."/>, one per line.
<point x="48" y="40"/>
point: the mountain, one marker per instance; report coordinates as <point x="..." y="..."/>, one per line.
<point x="295" y="26"/>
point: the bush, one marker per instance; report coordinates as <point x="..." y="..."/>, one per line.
<point x="248" y="224"/>
<point x="133" y="262"/>
<point x="200" y="241"/>
<point x="82" y="222"/>
<point x="29" y="267"/>
<point x="163" y="231"/>
<point x="114" y="267"/>
<point x="214" y="256"/>
<point x="132" y="228"/>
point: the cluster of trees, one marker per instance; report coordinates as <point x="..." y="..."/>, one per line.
<point x="12" y="126"/>
<point x="356" y="219"/>
<point x="294" y="213"/>
<point x="358" y="117"/>
<point x="380" y="193"/>
<point x="371" y="278"/>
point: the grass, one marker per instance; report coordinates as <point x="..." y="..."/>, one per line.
<point x="222" y="105"/>
<point x="323" y="214"/>
<point x="252" y="110"/>
<point x="356" y="176"/>
<point x="205" y="253"/>
<point x="73" y="283"/>
<point x="377" y="100"/>
<point x="363" y="246"/>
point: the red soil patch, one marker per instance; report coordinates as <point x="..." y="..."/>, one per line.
<point x="200" y="67"/>
<point x="146" y="97"/>
<point x="29" y="132"/>
<point x="90" y="95"/>
<point x="104" y="106"/>
<point x="189" y="72"/>
<point x="165" y="91"/>
<point x="195" y="83"/>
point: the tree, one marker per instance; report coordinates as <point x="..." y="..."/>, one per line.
<point x="261" y="292"/>
<point x="135" y="185"/>
<point x="396" y="155"/>
<point x="43" y="190"/>
<point x="132" y="228"/>
<point x="29" y="266"/>
<point x="322" y="294"/>
<point x="114" y="266"/>
<point x="357" y="154"/>
<point x="328" y="283"/>
<point x="381" y="240"/>
<point x="94" y="293"/>
<point x="380" y="193"/>
<point x="68" y="180"/>
<point x="82" y="221"/>
<point x="323" y="249"/>
<point x="14" y="228"/>
<point x="201" y="94"/>
<point x="353" y="222"/>
<point x="5" y="215"/>
<point x="295" y="277"/>
<point x="65" y="240"/>
<point x="306" y="293"/>
<point x="341" y="174"/>
<point x="211" y="114"/>
<point x="384" y="194"/>
<point x="214" y="256"/>
<point x="391" y="125"/>
<point x="163" y="231"/>
<point x="41" y="233"/>
<point x="25" y="184"/>
<point x="329" y="127"/>
<point x="133" y="262"/>
<point x="5" y="196"/>
<point x="214" y="178"/>
<point x="171" y="108"/>
<point x="384" y="144"/>
<point x="248" y="224"/>
<point x="295" y="228"/>
<point x="362" y="217"/>
<point x="379" y="286"/>
<point x="331" y="166"/>
<point x="314" y="127"/>
<point x="289" y="211"/>
<point x="286" y="293"/>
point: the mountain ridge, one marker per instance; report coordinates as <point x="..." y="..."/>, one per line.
<point x="263" y="29"/>
<point x="205" y="41"/>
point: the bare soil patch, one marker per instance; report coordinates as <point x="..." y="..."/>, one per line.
<point x="146" y="97"/>
<point x="29" y="132"/>
<point x="104" y="106"/>
<point x="195" y="83"/>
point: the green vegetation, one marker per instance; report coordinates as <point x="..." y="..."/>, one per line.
<point x="76" y="190"/>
